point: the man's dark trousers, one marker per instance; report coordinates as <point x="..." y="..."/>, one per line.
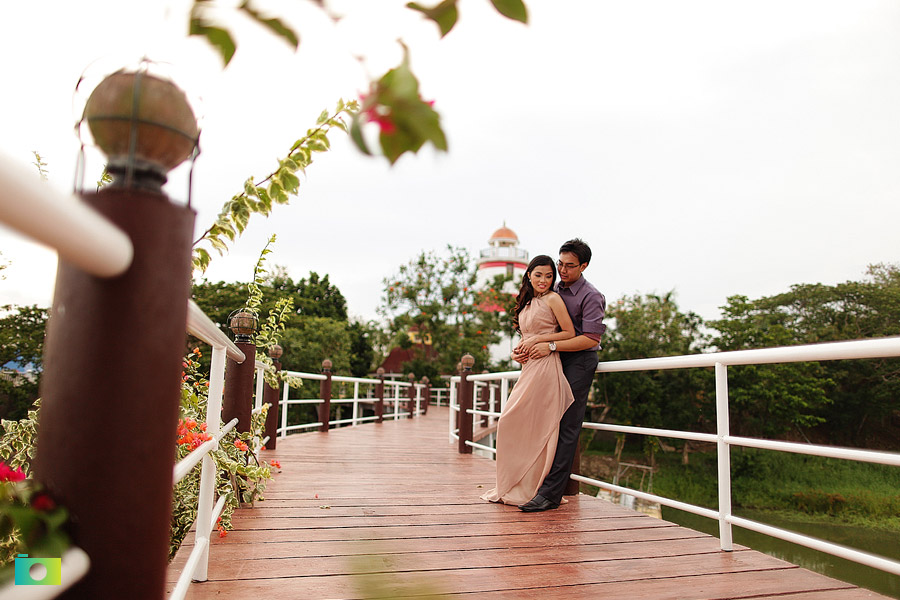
<point x="579" y="368"/>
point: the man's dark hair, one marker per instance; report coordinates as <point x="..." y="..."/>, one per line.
<point x="579" y="249"/>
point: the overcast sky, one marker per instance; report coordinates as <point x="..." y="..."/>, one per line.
<point x="714" y="148"/>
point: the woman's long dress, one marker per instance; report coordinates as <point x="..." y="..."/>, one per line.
<point x="528" y="428"/>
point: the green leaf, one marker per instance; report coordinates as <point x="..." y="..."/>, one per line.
<point x="276" y="26"/>
<point x="356" y="136"/>
<point x="218" y="38"/>
<point x="444" y="14"/>
<point x="512" y="9"/>
<point x="290" y="182"/>
<point x="322" y="117"/>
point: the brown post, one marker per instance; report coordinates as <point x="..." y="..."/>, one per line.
<point x="325" y="391"/>
<point x="411" y="395"/>
<point x="465" y="395"/>
<point x="273" y="397"/>
<point x="426" y="391"/>
<point x="113" y="359"/>
<point x="237" y="398"/>
<point x="379" y="391"/>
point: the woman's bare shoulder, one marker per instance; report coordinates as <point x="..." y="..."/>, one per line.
<point x="552" y="298"/>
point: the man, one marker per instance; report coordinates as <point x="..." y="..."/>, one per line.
<point x="578" y="355"/>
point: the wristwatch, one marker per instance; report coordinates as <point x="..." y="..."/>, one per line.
<point x="552" y="346"/>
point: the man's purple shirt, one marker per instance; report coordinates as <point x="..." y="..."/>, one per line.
<point x="586" y="306"/>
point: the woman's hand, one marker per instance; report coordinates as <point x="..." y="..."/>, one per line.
<point x="526" y="345"/>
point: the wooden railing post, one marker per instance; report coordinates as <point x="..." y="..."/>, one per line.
<point x="111" y="390"/>
<point x="465" y="401"/>
<point x="379" y="391"/>
<point x="273" y="397"/>
<point x="426" y="392"/>
<point x="411" y="396"/>
<point x="325" y="392"/>
<point x="237" y="400"/>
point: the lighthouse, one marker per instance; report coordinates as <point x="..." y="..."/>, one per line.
<point x="503" y="256"/>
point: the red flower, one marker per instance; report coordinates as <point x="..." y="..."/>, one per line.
<point x="43" y="502"/>
<point x="240" y="445"/>
<point x="275" y="464"/>
<point x="9" y="474"/>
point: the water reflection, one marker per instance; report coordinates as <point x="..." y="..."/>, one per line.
<point x="882" y="543"/>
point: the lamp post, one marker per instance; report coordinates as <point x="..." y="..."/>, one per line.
<point x="146" y="127"/>
<point x="466" y="389"/>
<point x="426" y="391"/>
<point x="325" y="390"/>
<point x="411" y="396"/>
<point x="273" y="397"/>
<point x="237" y="399"/>
<point x="379" y="391"/>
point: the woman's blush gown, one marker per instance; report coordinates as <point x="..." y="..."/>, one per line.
<point x="528" y="428"/>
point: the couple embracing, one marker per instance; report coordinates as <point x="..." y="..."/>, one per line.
<point x="560" y="324"/>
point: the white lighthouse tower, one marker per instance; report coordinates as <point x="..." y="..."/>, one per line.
<point x="502" y="257"/>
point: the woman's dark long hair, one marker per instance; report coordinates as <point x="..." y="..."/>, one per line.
<point x="526" y="290"/>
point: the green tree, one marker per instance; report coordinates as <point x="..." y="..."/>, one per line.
<point x="22" y="344"/>
<point x="651" y="326"/>
<point x="435" y="296"/>
<point x="851" y="401"/>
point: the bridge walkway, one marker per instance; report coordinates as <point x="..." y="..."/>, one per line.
<point x="391" y="510"/>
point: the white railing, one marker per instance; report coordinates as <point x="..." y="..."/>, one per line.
<point x="439" y="395"/>
<point x="26" y="202"/>
<point x="392" y="399"/>
<point x="860" y="349"/>
<point x="200" y="326"/>
<point x="496" y="402"/>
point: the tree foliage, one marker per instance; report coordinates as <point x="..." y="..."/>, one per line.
<point x="315" y="328"/>
<point x="436" y="297"/>
<point x="650" y="326"/>
<point x="843" y="395"/>
<point x="22" y="344"/>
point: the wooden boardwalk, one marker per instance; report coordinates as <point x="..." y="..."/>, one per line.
<point x="393" y="511"/>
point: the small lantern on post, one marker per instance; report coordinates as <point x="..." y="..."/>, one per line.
<point x="411" y="396"/>
<point x="464" y="418"/>
<point x="237" y="398"/>
<point x="273" y="397"/>
<point x="325" y="390"/>
<point x="379" y="392"/>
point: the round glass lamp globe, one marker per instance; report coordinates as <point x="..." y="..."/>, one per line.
<point x="143" y="120"/>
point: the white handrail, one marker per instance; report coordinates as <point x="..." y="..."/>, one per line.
<point x="848" y="350"/>
<point x="202" y="327"/>
<point x="873" y="348"/>
<point x="78" y="233"/>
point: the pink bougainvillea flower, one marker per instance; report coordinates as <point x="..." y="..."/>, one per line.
<point x="7" y="473"/>
<point x="240" y="445"/>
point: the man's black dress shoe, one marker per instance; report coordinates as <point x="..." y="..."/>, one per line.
<point x="537" y="504"/>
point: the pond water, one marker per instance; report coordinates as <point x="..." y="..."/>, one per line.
<point x="874" y="541"/>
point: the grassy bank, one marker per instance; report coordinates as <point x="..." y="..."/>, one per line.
<point x="801" y="488"/>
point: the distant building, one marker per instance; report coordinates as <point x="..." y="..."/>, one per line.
<point x="503" y="256"/>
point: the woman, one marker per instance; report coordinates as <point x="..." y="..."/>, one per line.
<point x="528" y="429"/>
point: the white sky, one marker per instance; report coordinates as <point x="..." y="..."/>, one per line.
<point x="710" y="147"/>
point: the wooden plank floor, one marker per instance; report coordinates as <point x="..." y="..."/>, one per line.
<point x="393" y="511"/>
